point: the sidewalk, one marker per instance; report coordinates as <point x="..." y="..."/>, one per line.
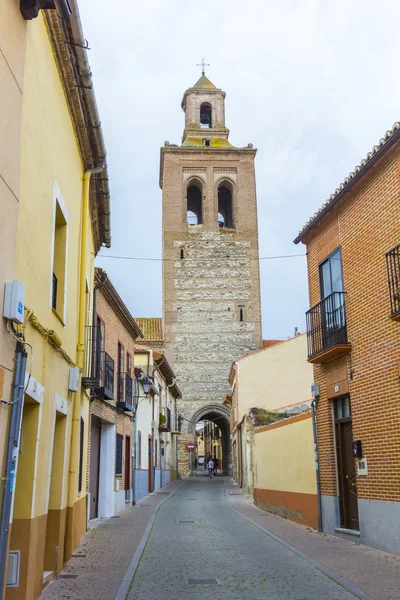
<point x="375" y="573"/>
<point x="98" y="565"/>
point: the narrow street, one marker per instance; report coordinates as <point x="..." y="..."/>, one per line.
<point x="202" y="539"/>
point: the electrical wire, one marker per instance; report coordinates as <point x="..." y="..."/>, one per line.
<point x="20" y="338"/>
<point x="189" y="258"/>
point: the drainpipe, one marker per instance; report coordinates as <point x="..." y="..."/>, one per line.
<point x="75" y="433"/>
<point x="314" y="424"/>
<point x="8" y="483"/>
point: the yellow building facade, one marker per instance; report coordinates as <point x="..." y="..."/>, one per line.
<point x="63" y="220"/>
<point x="12" y="59"/>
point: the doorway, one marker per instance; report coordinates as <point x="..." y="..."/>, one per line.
<point x="127" y="468"/>
<point x="95" y="436"/>
<point x="346" y="464"/>
<point x="150" y="464"/>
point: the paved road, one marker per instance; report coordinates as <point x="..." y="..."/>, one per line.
<point x="196" y="536"/>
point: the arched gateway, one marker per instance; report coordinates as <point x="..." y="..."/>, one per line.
<point x="211" y="291"/>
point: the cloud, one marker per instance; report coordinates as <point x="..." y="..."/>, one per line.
<point x="311" y="84"/>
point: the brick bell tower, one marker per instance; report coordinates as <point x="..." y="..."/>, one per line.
<point x="211" y="288"/>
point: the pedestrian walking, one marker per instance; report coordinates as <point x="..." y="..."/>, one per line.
<point x="216" y="463"/>
<point x="210" y="468"/>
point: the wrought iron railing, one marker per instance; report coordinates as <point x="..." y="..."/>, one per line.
<point x="125" y="389"/>
<point x="393" y="272"/>
<point x="326" y="324"/>
<point x="92" y="370"/>
<point x="54" y="292"/>
<point x="99" y="366"/>
<point x="106" y="372"/>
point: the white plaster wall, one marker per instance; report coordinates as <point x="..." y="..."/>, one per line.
<point x="276" y="377"/>
<point x="106" y="475"/>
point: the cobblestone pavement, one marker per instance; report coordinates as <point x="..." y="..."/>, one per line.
<point x="102" y="559"/>
<point x="374" y="572"/>
<point x="200" y="548"/>
<point x="197" y="536"/>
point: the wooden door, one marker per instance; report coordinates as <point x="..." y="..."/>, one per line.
<point x="346" y="470"/>
<point x="150" y="466"/>
<point x="95" y="435"/>
<point x="127" y="466"/>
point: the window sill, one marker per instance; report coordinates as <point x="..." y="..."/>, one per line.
<point x="354" y="532"/>
<point x="58" y="317"/>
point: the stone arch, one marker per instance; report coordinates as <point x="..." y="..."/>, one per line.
<point x="225" y="189"/>
<point x="221" y="415"/>
<point x="194" y="200"/>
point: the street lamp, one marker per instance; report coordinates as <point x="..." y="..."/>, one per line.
<point x="146" y="385"/>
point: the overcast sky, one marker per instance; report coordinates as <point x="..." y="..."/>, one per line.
<point x="312" y="84"/>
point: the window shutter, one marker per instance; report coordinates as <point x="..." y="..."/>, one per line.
<point x="118" y="462"/>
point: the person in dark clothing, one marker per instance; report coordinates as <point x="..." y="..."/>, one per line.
<point x="216" y="462"/>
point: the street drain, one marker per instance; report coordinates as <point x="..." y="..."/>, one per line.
<point x="115" y="517"/>
<point x="67" y="576"/>
<point x="235" y="494"/>
<point x="191" y="498"/>
<point x="186" y="521"/>
<point x="202" y="582"/>
<point x="145" y="505"/>
<point x="163" y="493"/>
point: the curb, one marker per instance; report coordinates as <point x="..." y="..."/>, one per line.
<point x="342" y="582"/>
<point x="131" y="570"/>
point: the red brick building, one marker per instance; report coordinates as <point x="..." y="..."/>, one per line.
<point x="354" y="343"/>
<point x="111" y="364"/>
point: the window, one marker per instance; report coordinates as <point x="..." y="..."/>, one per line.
<point x="139" y="450"/>
<point x="225" y="206"/>
<point x="118" y="455"/>
<point x="330" y="274"/>
<point x="205" y="116"/>
<point x="121" y="368"/>
<point x="182" y="254"/>
<point x="59" y="260"/>
<point x="81" y="440"/>
<point x="194" y="205"/>
<point x="342" y="408"/>
<point x="207" y="143"/>
<point x="128" y="363"/>
<point x="241" y="314"/>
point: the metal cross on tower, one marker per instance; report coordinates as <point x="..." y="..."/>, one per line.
<point x="203" y="65"/>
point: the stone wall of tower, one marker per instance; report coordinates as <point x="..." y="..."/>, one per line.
<point x="218" y="275"/>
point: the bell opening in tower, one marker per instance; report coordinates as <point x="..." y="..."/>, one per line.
<point x="225" y="211"/>
<point x="194" y="206"/>
<point x="205" y="116"/>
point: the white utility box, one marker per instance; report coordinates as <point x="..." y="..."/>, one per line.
<point x="73" y="379"/>
<point x="14" y="301"/>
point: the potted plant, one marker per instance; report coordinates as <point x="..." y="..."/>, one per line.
<point x="162" y="420"/>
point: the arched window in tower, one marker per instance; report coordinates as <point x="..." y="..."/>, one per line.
<point x="225" y="208"/>
<point x="205" y="116"/>
<point x="194" y="206"/>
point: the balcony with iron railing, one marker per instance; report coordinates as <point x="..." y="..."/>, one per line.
<point x="393" y="273"/>
<point x="99" y="366"/>
<point x="165" y="420"/>
<point x="327" y="329"/>
<point x="125" y="392"/>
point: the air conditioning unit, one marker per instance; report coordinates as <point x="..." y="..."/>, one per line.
<point x="14" y="557"/>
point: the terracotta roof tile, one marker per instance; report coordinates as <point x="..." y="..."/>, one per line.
<point x="152" y="328"/>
